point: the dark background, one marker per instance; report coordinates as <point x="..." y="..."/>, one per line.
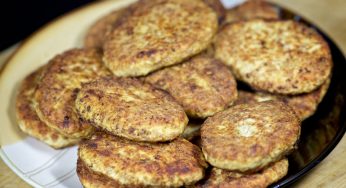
<point x="20" y="18"/>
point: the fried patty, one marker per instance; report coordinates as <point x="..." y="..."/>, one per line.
<point x="283" y="57"/>
<point x="248" y="137"/>
<point x="129" y="108"/>
<point x="56" y="92"/>
<point x="202" y="85"/>
<point x="28" y="120"/>
<point x="264" y="178"/>
<point x="159" y="33"/>
<point x="170" y="164"/>
<point x="96" y="35"/>
<point x="252" y="9"/>
<point x="304" y="105"/>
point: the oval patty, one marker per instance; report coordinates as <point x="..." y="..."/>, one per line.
<point x="248" y="137"/>
<point x="170" y="164"/>
<point x="283" y="57"/>
<point x="159" y="33"/>
<point x="56" y="92"/>
<point x="129" y="108"/>
<point x="202" y="85"/>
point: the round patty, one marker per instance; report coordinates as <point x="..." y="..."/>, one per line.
<point x="251" y="10"/>
<point x="250" y="136"/>
<point x="159" y="33"/>
<point x="173" y="164"/>
<point x="56" y="92"/>
<point x="28" y="120"/>
<point x="129" y="108"/>
<point x="264" y="178"/>
<point x="283" y="57"/>
<point x="304" y="105"/>
<point x="202" y="85"/>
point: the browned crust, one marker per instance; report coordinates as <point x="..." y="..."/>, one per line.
<point x="173" y="164"/>
<point x="96" y="35"/>
<point x="28" y="120"/>
<point x="252" y="9"/>
<point x="283" y="57"/>
<point x="202" y="85"/>
<point x="250" y="136"/>
<point x="56" y="92"/>
<point x="129" y="108"/>
<point x="159" y="33"/>
<point x="91" y="179"/>
<point x="222" y="178"/>
<point x="304" y="105"/>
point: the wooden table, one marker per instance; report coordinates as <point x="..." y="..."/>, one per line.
<point x="330" y="16"/>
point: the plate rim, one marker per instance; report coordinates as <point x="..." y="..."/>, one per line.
<point x="13" y="167"/>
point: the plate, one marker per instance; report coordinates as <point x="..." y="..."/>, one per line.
<point x="42" y="166"/>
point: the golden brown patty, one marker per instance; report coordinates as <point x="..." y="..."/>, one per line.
<point x="192" y="130"/>
<point x="250" y="136"/>
<point x="173" y="164"/>
<point x="28" y="120"/>
<point x="129" y="108"/>
<point x="223" y="178"/>
<point x="251" y="10"/>
<point x="202" y="85"/>
<point x="283" y="57"/>
<point x="159" y="33"/>
<point x="304" y="105"/>
<point x="218" y="7"/>
<point x="56" y="92"/>
<point x="97" y="33"/>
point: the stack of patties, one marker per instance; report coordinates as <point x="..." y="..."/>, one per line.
<point x="142" y="121"/>
<point x="279" y="59"/>
<point x="45" y="102"/>
<point x="247" y="144"/>
<point x="288" y="66"/>
<point x="158" y="73"/>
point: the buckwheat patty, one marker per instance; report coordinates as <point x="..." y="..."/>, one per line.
<point x="169" y="164"/>
<point x="223" y="178"/>
<point x="202" y="85"/>
<point x="98" y="31"/>
<point x="28" y="120"/>
<point x="248" y="137"/>
<point x="129" y="108"/>
<point x="283" y="57"/>
<point x="251" y="10"/>
<point x="304" y="105"/>
<point x="54" y="99"/>
<point x="159" y="33"/>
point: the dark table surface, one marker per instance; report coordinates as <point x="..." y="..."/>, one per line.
<point x="20" y="18"/>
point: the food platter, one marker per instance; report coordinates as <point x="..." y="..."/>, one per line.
<point x="42" y="166"/>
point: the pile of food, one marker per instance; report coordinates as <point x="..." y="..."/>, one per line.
<point x="152" y="98"/>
